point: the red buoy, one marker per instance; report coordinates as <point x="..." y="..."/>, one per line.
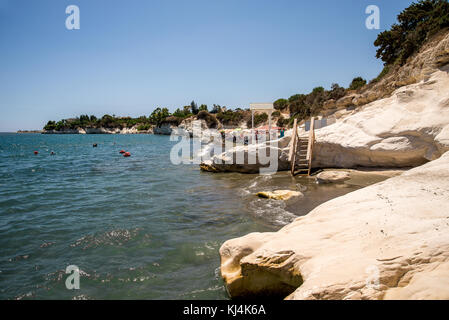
<point x="127" y="154"/>
<point x="35" y="152"/>
<point x="122" y="151"/>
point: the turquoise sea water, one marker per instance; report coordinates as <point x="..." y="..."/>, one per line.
<point x="138" y="227"/>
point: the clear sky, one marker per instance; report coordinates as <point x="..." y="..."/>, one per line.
<point x="130" y="56"/>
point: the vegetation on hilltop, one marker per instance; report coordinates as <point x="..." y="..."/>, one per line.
<point x="357" y="83"/>
<point x="416" y="24"/>
<point x="303" y="106"/>
<point x="211" y="120"/>
<point x="157" y="118"/>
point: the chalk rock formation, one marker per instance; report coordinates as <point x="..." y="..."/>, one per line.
<point x="387" y="241"/>
<point x="401" y="120"/>
<point x="164" y="129"/>
<point x="100" y="130"/>
<point x="188" y="125"/>
<point x="407" y="129"/>
<point x="248" y="159"/>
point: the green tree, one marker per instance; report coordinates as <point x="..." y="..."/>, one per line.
<point x="187" y="110"/>
<point x="336" y="92"/>
<point x="51" y="125"/>
<point x="280" y="104"/>
<point x="203" y="107"/>
<point x="210" y="119"/>
<point x="159" y="115"/>
<point x="357" y="83"/>
<point x="216" y="108"/>
<point x="416" y="24"/>
<point x="194" y="107"/>
<point x="295" y="97"/>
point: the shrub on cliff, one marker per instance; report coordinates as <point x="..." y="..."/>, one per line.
<point x="210" y="119"/>
<point x="171" y="120"/>
<point x="282" y="122"/>
<point x="194" y="107"/>
<point x="158" y="116"/>
<point x="357" y="83"/>
<point x="216" y="109"/>
<point x="280" y="104"/>
<point x="108" y="121"/>
<point x="382" y="74"/>
<point x="295" y="97"/>
<point x="415" y="25"/>
<point x="258" y="120"/>
<point x="336" y="92"/>
<point x="302" y="106"/>
<point x="144" y="127"/>
<point x="231" y="117"/>
<point x="51" y="125"/>
<point x="182" y="113"/>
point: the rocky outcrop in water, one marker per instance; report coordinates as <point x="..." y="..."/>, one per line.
<point x="164" y="129"/>
<point x="101" y="130"/>
<point x="228" y="161"/>
<point x="387" y="241"/>
<point x="332" y="177"/>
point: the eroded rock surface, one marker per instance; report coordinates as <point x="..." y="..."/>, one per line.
<point x="387" y="241"/>
<point x="407" y="129"/>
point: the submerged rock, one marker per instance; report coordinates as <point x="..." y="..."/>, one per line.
<point x="387" y="241"/>
<point x="280" y="194"/>
<point x="332" y="177"/>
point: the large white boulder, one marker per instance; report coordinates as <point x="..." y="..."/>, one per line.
<point x="387" y="241"/>
<point x="253" y="158"/>
<point x="332" y="177"/>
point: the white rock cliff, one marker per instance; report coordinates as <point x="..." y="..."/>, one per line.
<point x="387" y="241"/>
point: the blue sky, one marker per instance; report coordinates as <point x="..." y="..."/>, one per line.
<point x="131" y="56"/>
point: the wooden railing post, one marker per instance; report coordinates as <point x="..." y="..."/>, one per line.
<point x="310" y="144"/>
<point x="293" y="146"/>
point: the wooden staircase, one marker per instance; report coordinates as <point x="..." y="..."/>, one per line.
<point x="301" y="151"/>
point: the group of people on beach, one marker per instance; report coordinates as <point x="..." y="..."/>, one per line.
<point x="259" y="136"/>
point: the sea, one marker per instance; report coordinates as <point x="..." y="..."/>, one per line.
<point x="137" y="227"/>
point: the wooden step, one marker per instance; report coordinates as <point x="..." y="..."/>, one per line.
<point x="300" y="150"/>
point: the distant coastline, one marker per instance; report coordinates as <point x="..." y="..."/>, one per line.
<point x="29" y="131"/>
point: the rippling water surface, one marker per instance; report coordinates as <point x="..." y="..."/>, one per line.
<point x="138" y="227"/>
